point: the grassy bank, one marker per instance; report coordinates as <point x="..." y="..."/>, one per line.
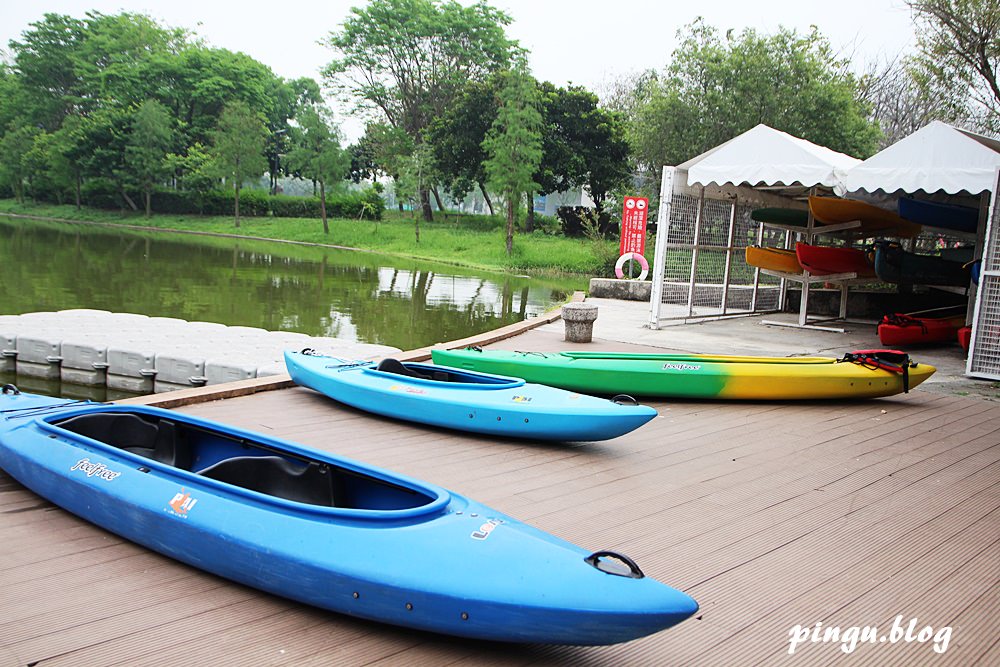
<point x="465" y="240"/>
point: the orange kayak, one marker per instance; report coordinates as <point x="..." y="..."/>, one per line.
<point x="773" y="259"/>
<point x="821" y="260"/>
<point x="874" y="220"/>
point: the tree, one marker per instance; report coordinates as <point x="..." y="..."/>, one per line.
<point x="715" y="89"/>
<point x="238" y="148"/>
<point x="317" y="154"/>
<point x="148" y="146"/>
<point x="959" y="44"/>
<point x="15" y="147"/>
<point x="514" y="143"/>
<point x="408" y="60"/>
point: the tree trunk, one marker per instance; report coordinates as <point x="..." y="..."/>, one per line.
<point x="128" y="200"/>
<point x="437" y="199"/>
<point x="425" y="205"/>
<point x="148" y="192"/>
<point x="79" y="186"/>
<point x="529" y="219"/>
<point x="322" y="206"/>
<point x="236" y="210"/>
<point x="486" y="198"/>
<point x="511" y="208"/>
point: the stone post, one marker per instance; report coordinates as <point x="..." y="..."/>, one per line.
<point x="579" y="318"/>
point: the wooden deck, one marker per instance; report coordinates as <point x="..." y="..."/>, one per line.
<point x="770" y="515"/>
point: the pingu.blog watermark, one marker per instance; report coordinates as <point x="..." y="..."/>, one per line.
<point x="849" y="638"/>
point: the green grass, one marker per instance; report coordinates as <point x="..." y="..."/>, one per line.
<point x="473" y="241"/>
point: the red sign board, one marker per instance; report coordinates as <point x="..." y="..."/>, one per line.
<point x="634" y="225"/>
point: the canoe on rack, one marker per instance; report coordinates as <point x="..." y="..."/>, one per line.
<point x="467" y="400"/>
<point x="895" y="265"/>
<point x="323" y="530"/>
<point x="943" y="216"/>
<point x="820" y="260"/>
<point x="874" y="221"/>
<point x="773" y="259"/>
<point x="701" y="376"/>
<point x="788" y="217"/>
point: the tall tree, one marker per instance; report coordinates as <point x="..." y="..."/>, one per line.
<point x="317" y="154"/>
<point x="716" y="88"/>
<point x="149" y="143"/>
<point x="514" y="143"/>
<point x="15" y="149"/>
<point x="959" y="43"/>
<point x="407" y="60"/>
<point x="238" y="148"/>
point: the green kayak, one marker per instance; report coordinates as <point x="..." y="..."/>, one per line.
<point x="867" y="374"/>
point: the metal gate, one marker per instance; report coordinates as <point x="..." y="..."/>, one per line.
<point x="700" y="269"/>
<point x="984" y="348"/>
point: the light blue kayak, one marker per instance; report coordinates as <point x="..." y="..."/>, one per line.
<point x="467" y="400"/>
<point x="324" y="530"/>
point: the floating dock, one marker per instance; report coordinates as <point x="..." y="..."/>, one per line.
<point x="142" y="355"/>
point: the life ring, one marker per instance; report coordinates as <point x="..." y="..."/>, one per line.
<point x="637" y="257"/>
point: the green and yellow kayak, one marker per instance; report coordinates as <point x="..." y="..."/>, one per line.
<point x="865" y="374"/>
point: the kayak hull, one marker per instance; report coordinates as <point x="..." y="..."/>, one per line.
<point x="899" y="330"/>
<point x="773" y="259"/>
<point x="691" y="376"/>
<point x="400" y="551"/>
<point x="829" y="260"/>
<point x="935" y="214"/>
<point x="492" y="405"/>
<point x="895" y="265"/>
<point x="873" y="220"/>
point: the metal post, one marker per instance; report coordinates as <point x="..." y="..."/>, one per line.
<point x="660" y="249"/>
<point x="694" y="251"/>
<point x="729" y="255"/>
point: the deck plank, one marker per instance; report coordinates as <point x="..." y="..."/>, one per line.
<point x="770" y="515"/>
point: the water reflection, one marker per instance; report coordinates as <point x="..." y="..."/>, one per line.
<point x="356" y="296"/>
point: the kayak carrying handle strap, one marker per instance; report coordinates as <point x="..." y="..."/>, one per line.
<point x="11" y="389"/>
<point x="624" y="399"/>
<point x="594" y="560"/>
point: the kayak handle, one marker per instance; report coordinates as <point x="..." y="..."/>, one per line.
<point x="594" y="560"/>
<point x="11" y="389"/>
<point x="624" y="399"/>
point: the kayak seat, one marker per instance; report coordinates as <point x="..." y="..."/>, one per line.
<point x="161" y="442"/>
<point x="312" y="483"/>
<point x="390" y="365"/>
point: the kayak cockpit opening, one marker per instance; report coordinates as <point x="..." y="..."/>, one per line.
<point x="248" y="464"/>
<point x="433" y="373"/>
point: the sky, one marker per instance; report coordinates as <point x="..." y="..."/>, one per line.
<point x="585" y="42"/>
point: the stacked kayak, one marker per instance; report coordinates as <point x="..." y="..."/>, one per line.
<point x="467" y="400"/>
<point x="942" y="216"/>
<point x="857" y="375"/>
<point x="964" y="338"/>
<point x="324" y="530"/>
<point x="820" y="260"/>
<point x="895" y="265"/>
<point x="773" y="259"/>
<point x="873" y="220"/>
<point x="788" y="217"/>
<point x="902" y="330"/>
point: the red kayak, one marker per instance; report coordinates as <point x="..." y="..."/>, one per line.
<point x="964" y="337"/>
<point x="901" y="330"/>
<point x="822" y="260"/>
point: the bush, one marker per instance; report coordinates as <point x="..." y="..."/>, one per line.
<point x="575" y="220"/>
<point x="101" y="193"/>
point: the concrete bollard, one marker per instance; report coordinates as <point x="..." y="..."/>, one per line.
<point x="579" y="318"/>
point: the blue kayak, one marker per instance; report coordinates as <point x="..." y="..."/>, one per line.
<point x="324" y="530"/>
<point x="467" y="400"/>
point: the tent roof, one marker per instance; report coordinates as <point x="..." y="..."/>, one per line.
<point x="765" y="156"/>
<point x="937" y="157"/>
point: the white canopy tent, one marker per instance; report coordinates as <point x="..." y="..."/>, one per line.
<point x="764" y="156"/>
<point x="943" y="162"/>
<point x="761" y="167"/>
<point x="935" y="158"/>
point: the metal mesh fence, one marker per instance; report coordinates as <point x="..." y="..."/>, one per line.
<point x="984" y="359"/>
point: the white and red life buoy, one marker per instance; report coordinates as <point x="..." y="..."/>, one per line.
<point x="637" y="257"/>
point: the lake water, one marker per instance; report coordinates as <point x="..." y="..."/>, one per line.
<point x="355" y="296"/>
